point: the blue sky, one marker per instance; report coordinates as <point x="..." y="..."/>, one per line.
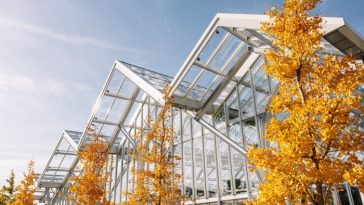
<point x="55" y="57"/>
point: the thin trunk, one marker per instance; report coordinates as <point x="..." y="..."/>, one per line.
<point x="320" y="195"/>
<point x="298" y="81"/>
<point x="160" y="178"/>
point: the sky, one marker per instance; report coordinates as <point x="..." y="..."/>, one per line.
<point x="55" y="57"/>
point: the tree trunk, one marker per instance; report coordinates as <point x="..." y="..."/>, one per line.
<point x="298" y="82"/>
<point x="320" y="194"/>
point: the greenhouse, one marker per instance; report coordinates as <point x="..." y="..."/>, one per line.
<point x="220" y="97"/>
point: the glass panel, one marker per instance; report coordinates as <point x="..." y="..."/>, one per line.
<point x="116" y="110"/>
<point x="212" y="45"/>
<point x="115" y="82"/>
<point x="260" y="78"/>
<point x="153" y="78"/>
<point x="197" y="91"/>
<point x="232" y="101"/>
<point x="243" y="49"/>
<point x="262" y="101"/>
<point x="107" y="130"/>
<point x="186" y="127"/>
<point x="217" y="80"/>
<point x="120" y="137"/>
<point x="199" y="172"/>
<point x="225" y="169"/>
<point x="76" y="136"/>
<point x="131" y="114"/>
<point x="192" y="74"/>
<point x="239" y="167"/>
<point x="104" y="108"/>
<point x="330" y="49"/>
<point x="274" y="84"/>
<point x="177" y="125"/>
<point x="254" y="182"/>
<point x="126" y="88"/>
<point x="206" y="79"/>
<point x="250" y="133"/>
<point x="219" y="120"/>
<point x="225" y="53"/>
<point x="200" y="191"/>
<point x="187" y="169"/>
<point x="235" y="132"/>
<point x="178" y="152"/>
<point x="124" y="167"/>
<point x="211" y="171"/>
<point x="246" y="101"/>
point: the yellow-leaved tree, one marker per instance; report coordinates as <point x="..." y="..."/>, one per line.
<point x="89" y="188"/>
<point x="7" y="191"/>
<point x="157" y="185"/>
<point x="24" y="192"/>
<point x="318" y="142"/>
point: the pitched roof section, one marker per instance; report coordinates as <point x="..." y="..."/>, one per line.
<point x="231" y="45"/>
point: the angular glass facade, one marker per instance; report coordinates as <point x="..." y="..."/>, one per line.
<point x="220" y="97"/>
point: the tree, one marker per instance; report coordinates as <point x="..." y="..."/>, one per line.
<point x="159" y="184"/>
<point x="24" y="192"/>
<point x="89" y="188"/>
<point x="318" y="144"/>
<point x="6" y="193"/>
<point x="3" y="199"/>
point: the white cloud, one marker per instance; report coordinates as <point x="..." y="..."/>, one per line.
<point x="19" y="85"/>
<point x="64" y="37"/>
<point x="9" y="83"/>
<point x="32" y="116"/>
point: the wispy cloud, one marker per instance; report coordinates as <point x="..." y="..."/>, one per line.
<point x="65" y="37"/>
<point x="32" y="112"/>
<point x="25" y="86"/>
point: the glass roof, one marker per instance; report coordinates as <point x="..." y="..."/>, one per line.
<point x="156" y="79"/>
<point x="75" y="136"/>
<point x="60" y="162"/>
<point x="221" y="64"/>
<point x="159" y="81"/>
<point x="211" y="66"/>
<point x="119" y="98"/>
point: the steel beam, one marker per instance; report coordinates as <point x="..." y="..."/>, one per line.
<point x="216" y="132"/>
<point x="223" y="84"/>
<point x="70" y="140"/>
<point x="140" y="82"/>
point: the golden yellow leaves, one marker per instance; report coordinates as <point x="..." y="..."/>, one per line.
<point x="156" y="181"/>
<point x="296" y="39"/>
<point x="89" y="187"/>
<point x="318" y="140"/>
<point x="355" y="176"/>
<point x="26" y="189"/>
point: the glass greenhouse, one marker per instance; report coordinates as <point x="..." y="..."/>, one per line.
<point x="220" y="98"/>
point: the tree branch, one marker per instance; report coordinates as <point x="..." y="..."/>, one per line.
<point x="298" y="81"/>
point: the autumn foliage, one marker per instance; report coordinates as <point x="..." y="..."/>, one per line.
<point x="318" y="143"/>
<point x="89" y="188"/>
<point x="24" y="192"/>
<point x="7" y="191"/>
<point x="157" y="185"/>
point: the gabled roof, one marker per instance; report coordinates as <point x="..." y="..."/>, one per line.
<point x="230" y="46"/>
